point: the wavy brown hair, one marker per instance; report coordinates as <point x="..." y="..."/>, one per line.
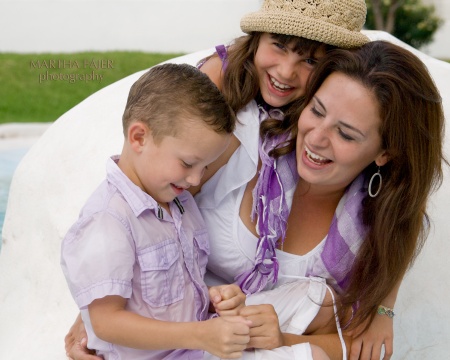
<point x="412" y="130"/>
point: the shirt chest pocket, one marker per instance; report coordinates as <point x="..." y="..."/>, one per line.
<point x="201" y="250"/>
<point x="162" y="279"/>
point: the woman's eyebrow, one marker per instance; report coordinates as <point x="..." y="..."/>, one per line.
<point x="348" y="126"/>
<point x="342" y="123"/>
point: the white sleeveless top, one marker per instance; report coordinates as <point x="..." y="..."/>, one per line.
<point x="232" y="245"/>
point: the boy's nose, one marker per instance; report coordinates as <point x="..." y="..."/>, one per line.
<point x="193" y="179"/>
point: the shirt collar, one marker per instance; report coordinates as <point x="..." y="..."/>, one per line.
<point x="138" y="200"/>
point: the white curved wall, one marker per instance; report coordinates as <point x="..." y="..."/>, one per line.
<point x="60" y="171"/>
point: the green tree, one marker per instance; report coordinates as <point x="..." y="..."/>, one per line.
<point x="408" y="20"/>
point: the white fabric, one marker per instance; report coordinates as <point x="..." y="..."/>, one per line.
<point x="63" y="168"/>
<point x="296" y="304"/>
<point x="296" y="352"/>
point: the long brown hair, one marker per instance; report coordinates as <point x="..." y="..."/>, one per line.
<point x="412" y="131"/>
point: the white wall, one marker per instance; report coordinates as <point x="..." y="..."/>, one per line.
<point x="146" y="25"/>
<point x="440" y="48"/>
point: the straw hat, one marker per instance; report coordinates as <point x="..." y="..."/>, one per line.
<point x="333" y="22"/>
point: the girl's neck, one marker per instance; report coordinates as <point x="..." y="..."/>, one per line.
<point x="261" y="102"/>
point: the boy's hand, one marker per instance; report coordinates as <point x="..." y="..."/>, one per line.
<point x="226" y="337"/>
<point x="227" y="299"/>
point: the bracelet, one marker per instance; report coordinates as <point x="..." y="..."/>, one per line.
<point x="384" y="310"/>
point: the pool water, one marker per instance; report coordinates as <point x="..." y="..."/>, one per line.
<point x="9" y="159"/>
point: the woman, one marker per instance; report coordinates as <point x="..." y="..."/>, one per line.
<point x="391" y="223"/>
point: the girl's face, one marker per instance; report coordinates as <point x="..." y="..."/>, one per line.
<point x="282" y="72"/>
<point x="338" y="134"/>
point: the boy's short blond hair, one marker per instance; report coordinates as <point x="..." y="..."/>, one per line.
<point x="170" y="92"/>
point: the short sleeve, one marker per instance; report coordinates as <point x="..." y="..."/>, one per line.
<point x="97" y="258"/>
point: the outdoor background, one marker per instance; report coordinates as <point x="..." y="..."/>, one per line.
<point x="37" y="309"/>
<point x="106" y="40"/>
<point x="103" y="41"/>
<point x="145" y="25"/>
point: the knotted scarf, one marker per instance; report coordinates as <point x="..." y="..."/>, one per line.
<point x="271" y="209"/>
<point x="269" y="205"/>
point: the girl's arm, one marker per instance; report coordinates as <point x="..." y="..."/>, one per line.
<point x="213" y="68"/>
<point x="217" y="164"/>
<point x="223" y="337"/>
<point x="369" y="344"/>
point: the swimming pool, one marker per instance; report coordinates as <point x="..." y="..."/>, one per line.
<point x="9" y="159"/>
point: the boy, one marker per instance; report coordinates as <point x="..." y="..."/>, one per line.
<point x="135" y="259"/>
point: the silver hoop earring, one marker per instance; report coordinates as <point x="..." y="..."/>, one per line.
<point x="371" y="194"/>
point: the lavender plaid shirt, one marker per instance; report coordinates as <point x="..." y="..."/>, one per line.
<point x="124" y="244"/>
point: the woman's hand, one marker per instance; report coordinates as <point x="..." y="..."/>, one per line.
<point x="265" y="331"/>
<point x="76" y="343"/>
<point x="368" y="345"/>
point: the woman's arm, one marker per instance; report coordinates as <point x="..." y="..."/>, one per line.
<point x="330" y="343"/>
<point x="223" y="337"/>
<point x="265" y="332"/>
<point x="76" y="342"/>
<point x="368" y="345"/>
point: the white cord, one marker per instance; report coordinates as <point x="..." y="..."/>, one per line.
<point x="338" y="326"/>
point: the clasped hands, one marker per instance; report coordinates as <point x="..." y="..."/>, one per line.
<point x="264" y="330"/>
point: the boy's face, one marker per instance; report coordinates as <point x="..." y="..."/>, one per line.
<point x="165" y="168"/>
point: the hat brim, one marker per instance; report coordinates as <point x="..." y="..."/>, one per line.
<point x="276" y="22"/>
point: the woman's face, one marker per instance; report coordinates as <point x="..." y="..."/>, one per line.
<point x="282" y="72"/>
<point x="338" y="134"/>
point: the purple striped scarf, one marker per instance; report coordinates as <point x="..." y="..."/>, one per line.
<point x="269" y="204"/>
<point x="344" y="238"/>
<point x="270" y="207"/>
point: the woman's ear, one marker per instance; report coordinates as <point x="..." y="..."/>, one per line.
<point x="137" y="135"/>
<point x="382" y="159"/>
